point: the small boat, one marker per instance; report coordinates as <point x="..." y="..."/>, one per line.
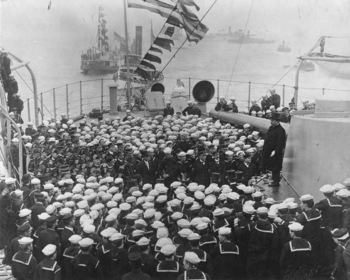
<point x="283" y="48"/>
<point x="333" y="65"/>
<point x="307" y="66"/>
<point x="100" y="59"/>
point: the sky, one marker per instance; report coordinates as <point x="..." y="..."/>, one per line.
<point x="292" y="18"/>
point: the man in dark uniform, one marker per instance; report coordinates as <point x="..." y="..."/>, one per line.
<point x="37" y="209"/>
<point x="255" y="107"/>
<point x="201" y="170"/>
<point x="248" y="169"/>
<point x="26" y="190"/>
<point x="146" y="169"/>
<point x="23" y="262"/>
<point x="262" y="243"/>
<point x="226" y="258"/>
<point x="48" y="236"/>
<point x="30" y="130"/>
<point x="195" y="110"/>
<point x="68" y="231"/>
<point x="168" y="110"/>
<point x="286" y="116"/>
<point x="17" y="104"/>
<point x="135" y="261"/>
<point x="275" y="99"/>
<point x="84" y="265"/>
<point x="188" y="109"/>
<point x="272" y="154"/>
<point x="48" y="269"/>
<point x="168" y="168"/>
<point x="191" y="262"/>
<point x="68" y="256"/>
<point x="182" y="144"/>
<point x="295" y="261"/>
<point x="222" y="105"/>
<point x="265" y="103"/>
<point x="233" y="105"/>
<point x="218" y="166"/>
<point x="207" y="241"/>
<point x="320" y="238"/>
<point x="331" y="208"/>
<point x="169" y="268"/>
<point x="342" y="253"/>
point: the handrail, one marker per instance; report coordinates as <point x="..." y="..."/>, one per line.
<point x="84" y="94"/>
<point x="20" y="144"/>
<point x="34" y="86"/>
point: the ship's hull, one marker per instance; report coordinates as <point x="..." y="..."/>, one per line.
<point x="284" y="49"/>
<point x="250" y="41"/>
<point x="98" y="68"/>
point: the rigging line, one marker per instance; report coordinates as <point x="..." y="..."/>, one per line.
<point x="286" y="73"/>
<point x="282" y="77"/>
<point x="240" y="45"/>
<point x="173" y="56"/>
<point x="24" y="81"/>
<point x="32" y="92"/>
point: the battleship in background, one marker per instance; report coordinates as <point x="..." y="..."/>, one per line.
<point x="240" y="38"/>
<point x="100" y="59"/>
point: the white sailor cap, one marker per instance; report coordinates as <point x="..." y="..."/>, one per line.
<point x="24" y="212"/>
<point x="82" y="204"/>
<point x="89" y="228"/>
<point x="343" y="193"/>
<point x="143" y="241"/>
<point x="295" y="226"/>
<point x="218" y="212"/>
<point x="108" y="232"/>
<point x="118" y="181"/>
<point x="75" y="238"/>
<point x="257" y="194"/>
<point x="43" y="216"/>
<point x="224" y="231"/>
<point x="192" y="257"/>
<point x="25" y="240"/>
<point x="149" y="213"/>
<point x="168" y="249"/>
<point x="9" y="181"/>
<point x="35" y="181"/>
<point x="49" y="186"/>
<point x="327" y="189"/>
<point x="49" y="250"/>
<point x="116" y="236"/>
<point x="185" y="232"/>
<point x="338" y="186"/>
<point x="306" y="197"/>
<point x="262" y="210"/>
<point x="85" y="242"/>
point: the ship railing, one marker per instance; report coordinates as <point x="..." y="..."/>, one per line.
<point x="7" y="128"/>
<point x="77" y="99"/>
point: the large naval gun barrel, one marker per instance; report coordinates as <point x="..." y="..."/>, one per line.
<point x="317" y="150"/>
<point x="240" y="119"/>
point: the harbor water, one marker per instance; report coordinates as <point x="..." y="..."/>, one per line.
<point x="54" y="41"/>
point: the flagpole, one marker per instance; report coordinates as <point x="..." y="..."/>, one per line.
<point x="127" y="56"/>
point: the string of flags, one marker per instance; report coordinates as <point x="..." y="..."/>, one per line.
<point x="178" y="15"/>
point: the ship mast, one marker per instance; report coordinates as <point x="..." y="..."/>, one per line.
<point x="127" y="55"/>
<point x="99" y="29"/>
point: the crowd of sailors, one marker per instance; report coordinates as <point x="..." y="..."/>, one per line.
<point x="268" y="106"/>
<point x="169" y="197"/>
<point x="173" y="197"/>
